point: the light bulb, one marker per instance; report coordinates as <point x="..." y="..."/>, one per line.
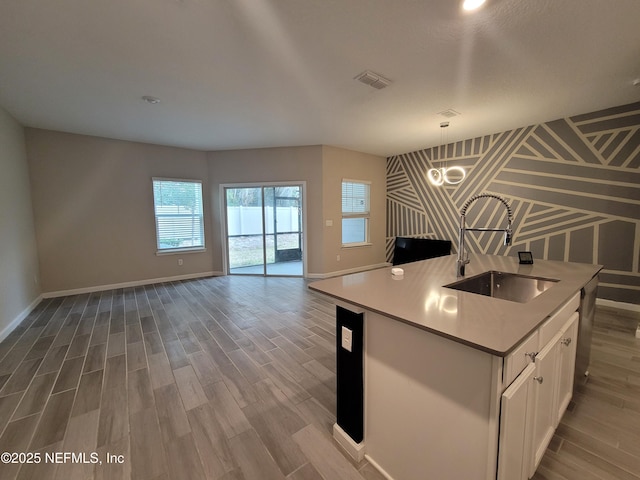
<point x="440" y="176"/>
<point x="472" y="4"/>
<point x="436" y="177"/>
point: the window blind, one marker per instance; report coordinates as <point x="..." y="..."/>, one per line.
<point x="355" y="198"/>
<point x="178" y="213"/>
<point x="355" y="212"/>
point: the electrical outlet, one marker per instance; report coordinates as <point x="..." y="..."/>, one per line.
<point x="347" y="338"/>
<point x="179" y="262"/>
<point x="338" y="258"/>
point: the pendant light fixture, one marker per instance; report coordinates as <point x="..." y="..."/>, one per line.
<point x="445" y="175"/>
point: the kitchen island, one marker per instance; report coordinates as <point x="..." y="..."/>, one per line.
<point x="440" y="383"/>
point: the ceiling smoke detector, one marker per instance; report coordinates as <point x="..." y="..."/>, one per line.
<point x="373" y="79"/>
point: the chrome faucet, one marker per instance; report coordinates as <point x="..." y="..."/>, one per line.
<point x="463" y="257"/>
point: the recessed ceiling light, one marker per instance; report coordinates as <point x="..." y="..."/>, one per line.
<point x="150" y="99"/>
<point x="472" y="4"/>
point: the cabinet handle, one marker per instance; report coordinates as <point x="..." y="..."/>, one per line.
<point x="566" y="341"/>
<point x="539" y="379"/>
<point x="531" y="355"/>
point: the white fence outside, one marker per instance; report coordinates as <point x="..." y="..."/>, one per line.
<point x="248" y="220"/>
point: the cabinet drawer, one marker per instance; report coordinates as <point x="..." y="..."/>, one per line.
<point x="516" y="361"/>
<point x="557" y="320"/>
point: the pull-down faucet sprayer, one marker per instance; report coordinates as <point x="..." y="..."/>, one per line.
<point x="463" y="257"/>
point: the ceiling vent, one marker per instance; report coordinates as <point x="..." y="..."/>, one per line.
<point x="449" y="113"/>
<point x="151" y="100"/>
<point x="373" y="79"/>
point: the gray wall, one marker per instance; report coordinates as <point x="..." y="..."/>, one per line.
<point x="337" y="165"/>
<point x="19" y="287"/>
<point x="93" y="209"/>
<point x="323" y="168"/>
<point x="265" y="165"/>
<point x="574" y="184"/>
<point x="93" y="206"/>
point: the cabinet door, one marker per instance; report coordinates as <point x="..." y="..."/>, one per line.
<point x="516" y="415"/>
<point x="566" y="368"/>
<point x="545" y="392"/>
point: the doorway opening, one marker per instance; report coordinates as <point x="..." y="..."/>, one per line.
<point x="264" y="229"/>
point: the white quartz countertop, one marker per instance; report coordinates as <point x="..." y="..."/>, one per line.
<point x="419" y="298"/>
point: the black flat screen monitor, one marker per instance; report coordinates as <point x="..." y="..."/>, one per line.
<point x="408" y="250"/>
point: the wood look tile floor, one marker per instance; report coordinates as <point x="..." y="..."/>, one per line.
<point x="599" y="435"/>
<point x="234" y="378"/>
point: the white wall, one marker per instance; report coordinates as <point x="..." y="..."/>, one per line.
<point x="19" y="289"/>
<point x="248" y="220"/>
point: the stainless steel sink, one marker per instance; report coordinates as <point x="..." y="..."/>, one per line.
<point x="506" y="286"/>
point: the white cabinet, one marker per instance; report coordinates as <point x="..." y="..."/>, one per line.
<point x="533" y="404"/>
<point x="555" y="366"/>
<point x="545" y="381"/>
<point x="521" y="356"/>
<point x="516" y="416"/>
<point x="567" y="365"/>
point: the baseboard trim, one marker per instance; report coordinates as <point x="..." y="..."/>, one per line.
<point x="338" y="273"/>
<point x="6" y="331"/>
<point x="136" y="283"/>
<point x="619" y="305"/>
<point x="353" y="449"/>
<point x="380" y="470"/>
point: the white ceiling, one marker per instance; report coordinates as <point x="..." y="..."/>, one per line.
<point x="257" y="73"/>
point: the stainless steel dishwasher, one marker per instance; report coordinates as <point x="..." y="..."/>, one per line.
<point x="587" y="312"/>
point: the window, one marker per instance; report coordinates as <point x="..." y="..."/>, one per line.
<point x="355" y="212"/>
<point x="178" y="211"/>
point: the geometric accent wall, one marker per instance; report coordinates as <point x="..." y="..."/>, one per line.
<point x="573" y="185"/>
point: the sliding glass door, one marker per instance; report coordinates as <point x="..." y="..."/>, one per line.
<point x="245" y="232"/>
<point x="264" y="230"/>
